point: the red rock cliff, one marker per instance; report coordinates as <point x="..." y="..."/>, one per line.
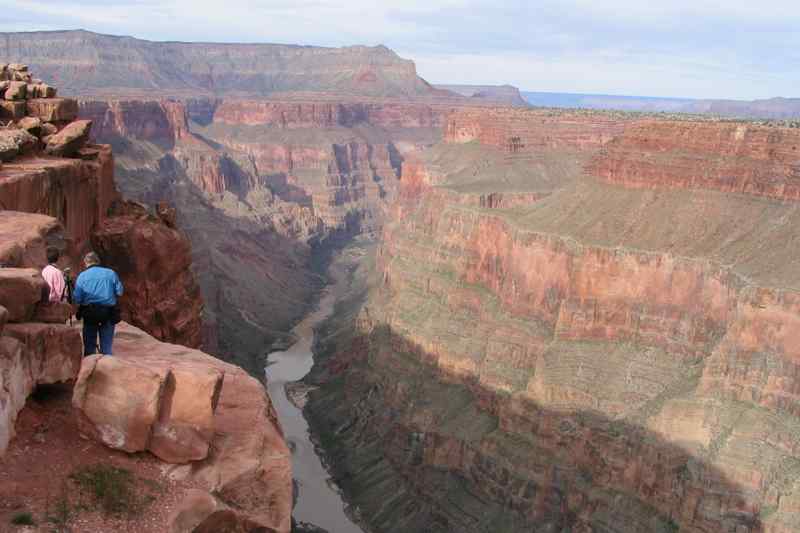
<point x="517" y="130"/>
<point x="736" y="157"/>
<point x="628" y="352"/>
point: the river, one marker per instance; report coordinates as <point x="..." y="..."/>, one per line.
<point x="319" y="501"/>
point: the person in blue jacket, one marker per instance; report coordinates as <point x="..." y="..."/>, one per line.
<point x="96" y="292"/>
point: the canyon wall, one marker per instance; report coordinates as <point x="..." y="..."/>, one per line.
<point x="262" y="188"/>
<point x="613" y="350"/>
<point x="736" y="157"/>
<point x="520" y="131"/>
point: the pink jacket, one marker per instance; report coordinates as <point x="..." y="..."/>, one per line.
<point x="55" y="279"/>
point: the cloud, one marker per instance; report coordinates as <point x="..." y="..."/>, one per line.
<point x="699" y="48"/>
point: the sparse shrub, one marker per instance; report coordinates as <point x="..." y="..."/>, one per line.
<point x="112" y="489"/>
<point x="59" y="513"/>
<point x="23" y="519"/>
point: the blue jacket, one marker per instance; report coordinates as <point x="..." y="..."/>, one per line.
<point x="97" y="285"/>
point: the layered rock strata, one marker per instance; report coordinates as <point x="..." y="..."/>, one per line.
<point x="604" y="357"/>
<point x="142" y="67"/>
<point x="515" y="130"/>
<point x="737" y="157"/>
<point x="259" y="186"/>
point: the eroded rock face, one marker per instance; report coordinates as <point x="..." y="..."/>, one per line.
<point x="16" y="386"/>
<point x="53" y="350"/>
<point x="154" y="263"/>
<point x="596" y="358"/>
<point x="737" y="158"/>
<point x="516" y="130"/>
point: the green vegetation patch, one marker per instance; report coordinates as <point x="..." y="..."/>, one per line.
<point x="23" y="519"/>
<point x="115" y="491"/>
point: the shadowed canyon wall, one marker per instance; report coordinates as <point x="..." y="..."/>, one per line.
<point x="262" y="188"/>
<point x="612" y="350"/>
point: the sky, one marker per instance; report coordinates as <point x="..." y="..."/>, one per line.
<point x="678" y="48"/>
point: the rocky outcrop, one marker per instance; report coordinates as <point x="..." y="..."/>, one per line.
<point x="31" y="353"/>
<point x="143" y="67"/>
<point x="159" y="121"/>
<point x="137" y="405"/>
<point x="188" y="407"/>
<point x="737" y="157"/>
<point x="154" y="262"/>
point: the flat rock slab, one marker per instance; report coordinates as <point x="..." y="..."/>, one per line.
<point x="24" y="238"/>
<point x="250" y="466"/>
<point x="69" y="140"/>
<point x="54" y="351"/>
<point x="21" y="290"/>
<point x="147" y="403"/>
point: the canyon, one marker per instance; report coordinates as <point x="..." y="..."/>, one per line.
<point x="554" y="320"/>
<point x="574" y="321"/>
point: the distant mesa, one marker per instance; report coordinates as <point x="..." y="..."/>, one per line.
<point x="770" y="108"/>
<point x="106" y="65"/>
<point x="499" y="94"/>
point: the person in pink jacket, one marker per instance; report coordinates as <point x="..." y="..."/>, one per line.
<point x="54" y="276"/>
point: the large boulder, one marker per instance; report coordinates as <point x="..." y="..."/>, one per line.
<point x="54" y="351"/>
<point x="24" y="238"/>
<point x="21" y="290"/>
<point x="249" y="466"/>
<point x="118" y="401"/>
<point x="14" y="142"/>
<point x="69" y="140"/>
<point x="146" y="403"/>
<point x="32" y="125"/>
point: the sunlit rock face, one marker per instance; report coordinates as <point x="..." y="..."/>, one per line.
<point x="613" y="350"/>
